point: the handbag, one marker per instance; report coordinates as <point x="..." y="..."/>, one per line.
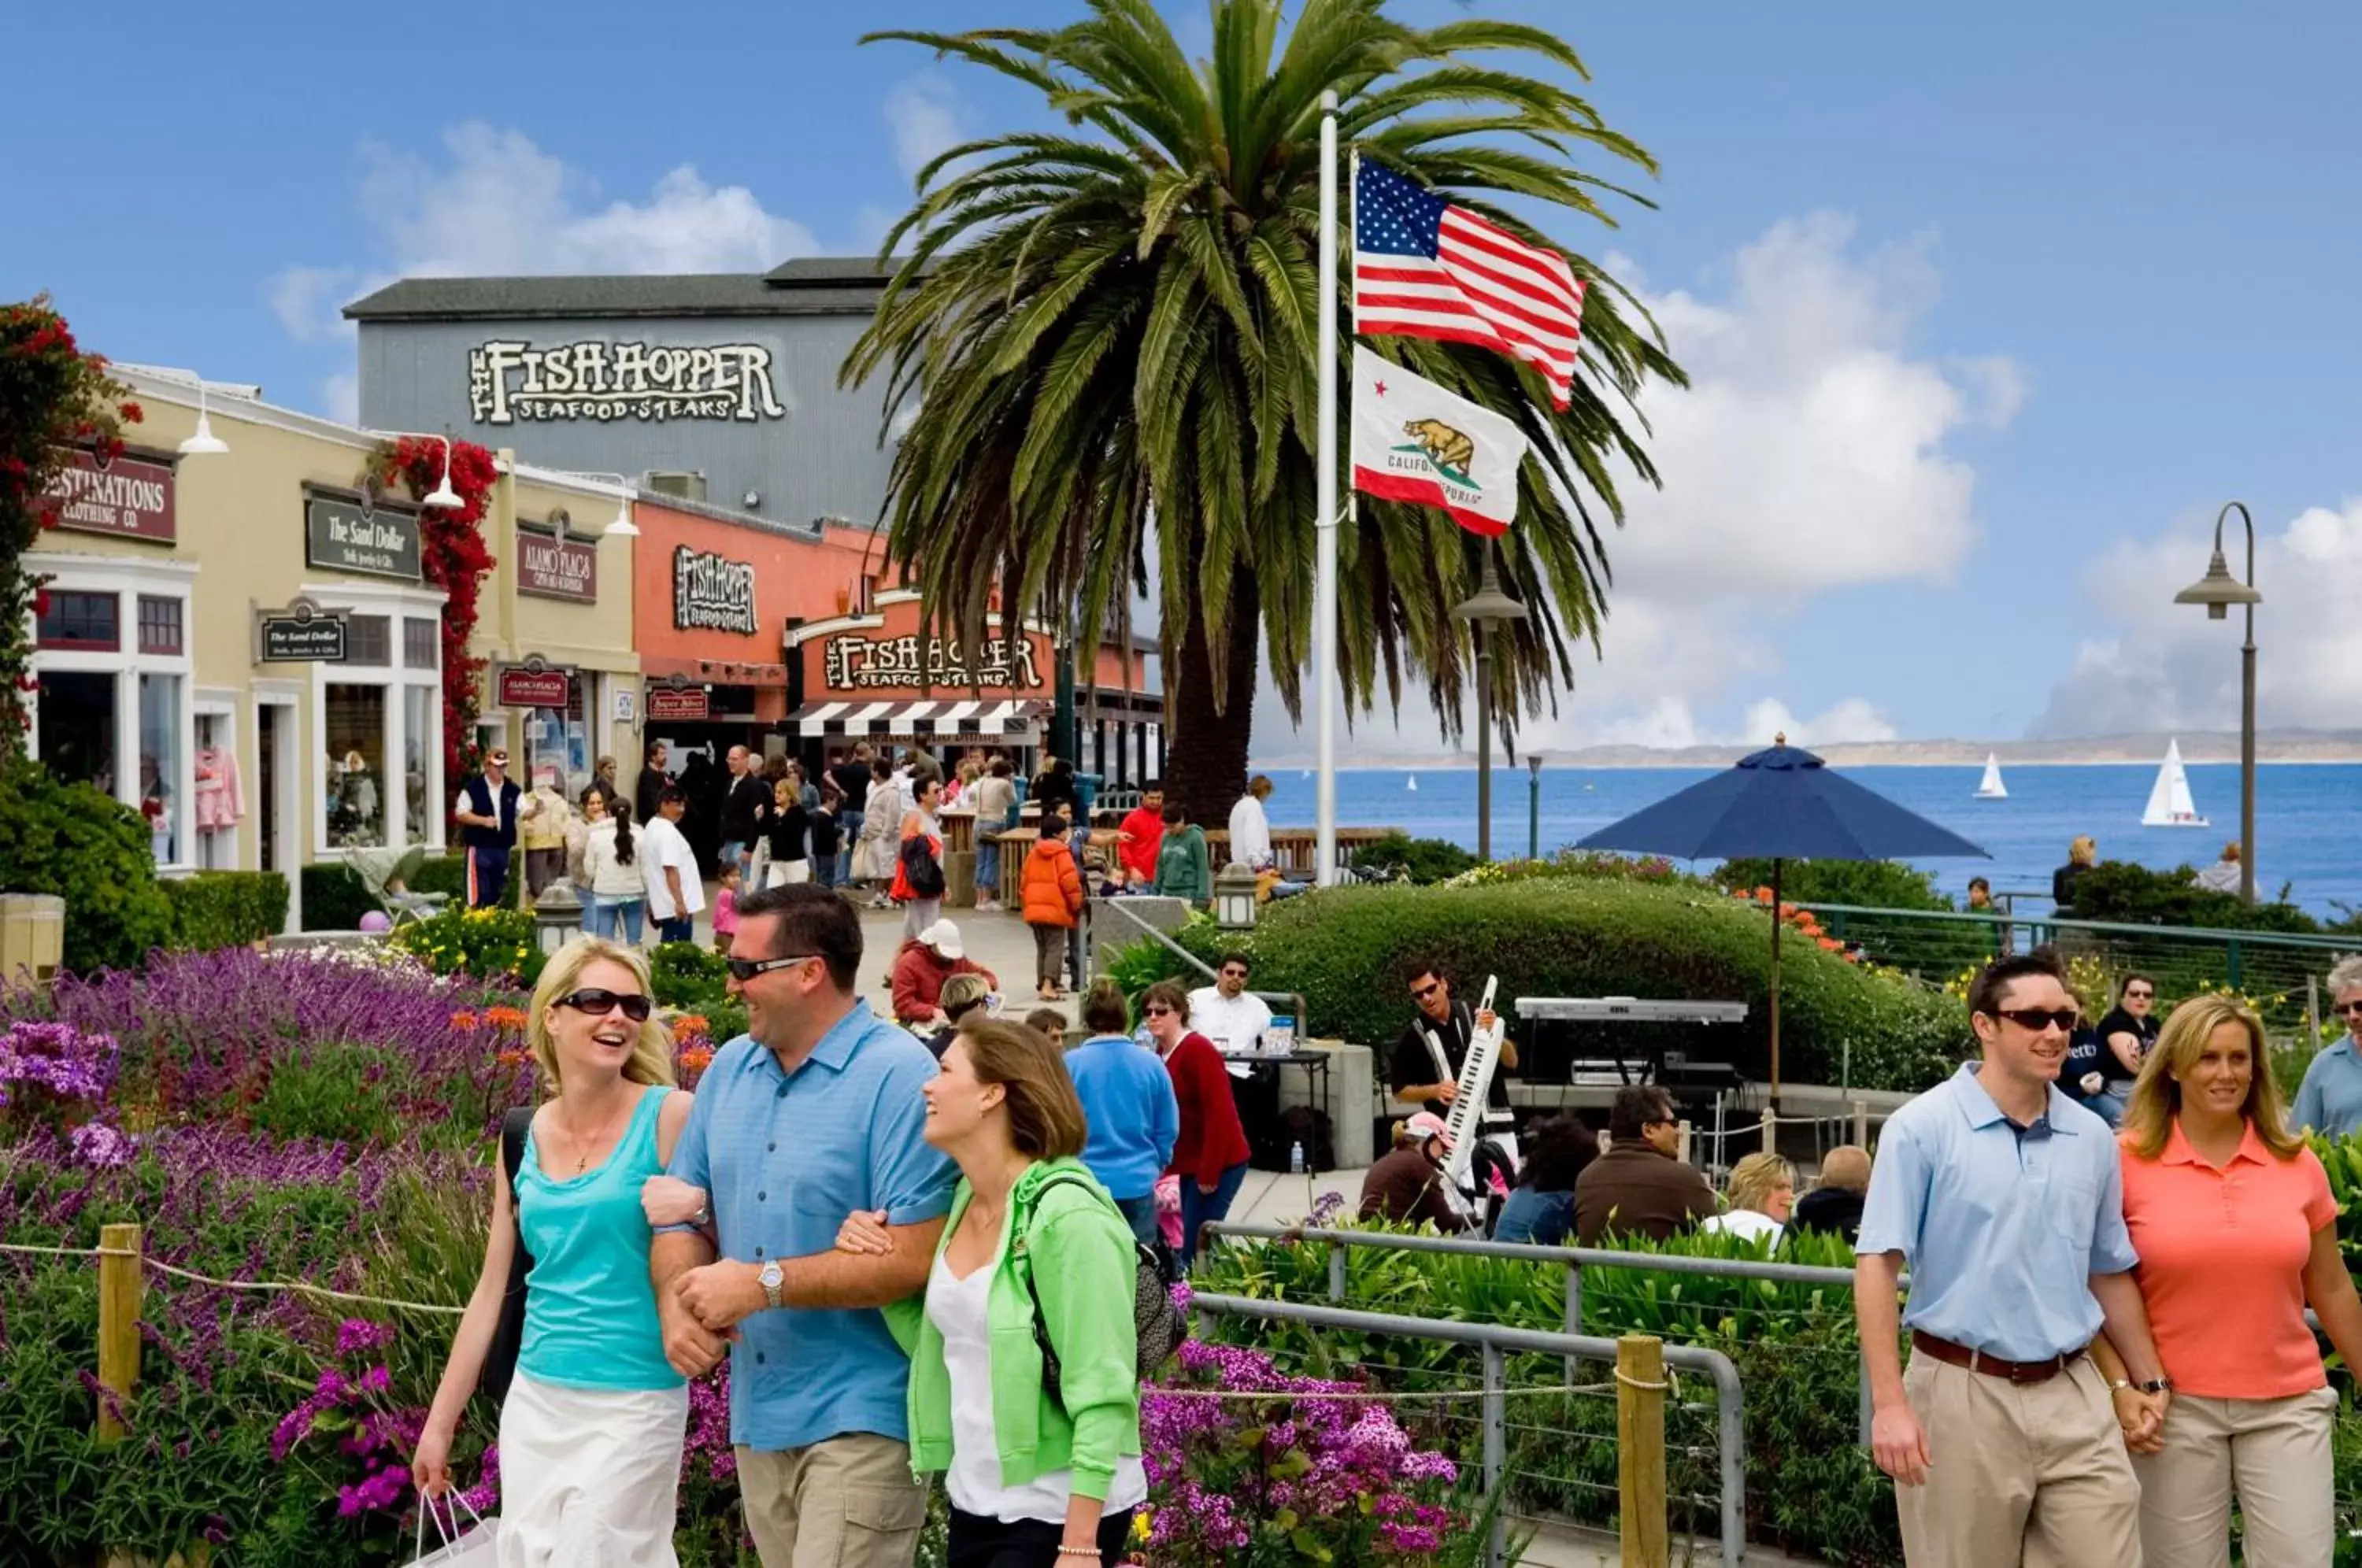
<point x="921" y="869"/>
<point x="508" y="1334"/>
<point x="1158" y="1324"/>
<point x="478" y="1547"/>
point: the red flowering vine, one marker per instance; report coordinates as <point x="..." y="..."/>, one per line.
<point x="456" y="559"/>
<point x="53" y="398"/>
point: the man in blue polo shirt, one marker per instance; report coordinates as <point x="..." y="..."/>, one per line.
<point x="2004" y="1198"/>
<point x="815" y="1112"/>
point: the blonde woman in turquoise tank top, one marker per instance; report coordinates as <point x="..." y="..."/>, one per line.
<point x="592" y="1427"/>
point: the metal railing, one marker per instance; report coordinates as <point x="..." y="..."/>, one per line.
<point x="1498" y="1341"/>
<point x="1573" y="1260"/>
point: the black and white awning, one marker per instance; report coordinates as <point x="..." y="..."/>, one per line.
<point x="1016" y="719"/>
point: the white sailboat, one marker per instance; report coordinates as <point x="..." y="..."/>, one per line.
<point x="1991" y="788"/>
<point x="1413" y="784"/>
<point x="2170" y="803"/>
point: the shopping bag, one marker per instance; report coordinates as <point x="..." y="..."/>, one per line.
<point x="476" y="1546"/>
<point x="1168" y="1210"/>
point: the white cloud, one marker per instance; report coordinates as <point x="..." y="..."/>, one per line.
<point x="340" y="397"/>
<point x="305" y="300"/>
<point x="922" y="112"/>
<point x="2169" y="668"/>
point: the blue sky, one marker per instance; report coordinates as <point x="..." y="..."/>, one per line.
<point x="1989" y="307"/>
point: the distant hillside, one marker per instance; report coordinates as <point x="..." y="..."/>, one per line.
<point x="2271" y="746"/>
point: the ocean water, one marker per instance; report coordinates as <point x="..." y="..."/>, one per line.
<point x="2307" y="817"/>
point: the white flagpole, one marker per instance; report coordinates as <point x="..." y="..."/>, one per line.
<point x="1324" y="582"/>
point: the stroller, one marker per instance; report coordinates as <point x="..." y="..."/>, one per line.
<point x="386" y="873"/>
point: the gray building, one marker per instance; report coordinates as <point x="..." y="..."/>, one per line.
<point x="719" y="388"/>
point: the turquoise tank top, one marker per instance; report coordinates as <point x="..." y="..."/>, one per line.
<point x="589" y="1310"/>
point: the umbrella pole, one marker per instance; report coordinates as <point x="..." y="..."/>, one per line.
<point x="1776" y="923"/>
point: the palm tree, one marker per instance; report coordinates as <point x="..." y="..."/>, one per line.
<point x="1114" y="337"/>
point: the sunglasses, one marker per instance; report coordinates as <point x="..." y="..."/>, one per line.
<point x="2138" y="996"/>
<point x="2037" y="1019"/>
<point x="1159" y="1011"/>
<point x="745" y="969"/>
<point x="1421" y="993"/>
<point x="596" y="1001"/>
<point x="1234" y="974"/>
<point x="2348" y="1009"/>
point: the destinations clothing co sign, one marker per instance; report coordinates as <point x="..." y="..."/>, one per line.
<point x="131" y="498"/>
<point x="343" y="535"/>
<point x="853" y="663"/>
<point x="509" y="379"/>
<point x="550" y="568"/>
<point x="711" y="592"/>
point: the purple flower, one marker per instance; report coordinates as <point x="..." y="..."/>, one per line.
<point x="356" y="1334"/>
<point x="97" y="1143"/>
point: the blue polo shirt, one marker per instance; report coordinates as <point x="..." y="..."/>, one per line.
<point x="2330" y="1099"/>
<point x="2002" y="1226"/>
<point x="786" y="1157"/>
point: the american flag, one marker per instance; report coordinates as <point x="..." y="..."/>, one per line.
<point x="1424" y="267"/>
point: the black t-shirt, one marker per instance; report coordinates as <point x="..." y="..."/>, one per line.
<point x="2119" y="1021"/>
<point x="2084" y="1054"/>
<point x="786" y="830"/>
<point x="1054" y="786"/>
<point x="853" y="779"/>
<point x="1832" y="1209"/>
<point x="826" y="833"/>
<point x="1414" y="1064"/>
<point x="748" y="803"/>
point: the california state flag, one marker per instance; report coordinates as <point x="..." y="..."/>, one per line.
<point x="1414" y="441"/>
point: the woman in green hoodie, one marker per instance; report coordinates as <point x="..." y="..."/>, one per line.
<point x="1035" y="1480"/>
<point x="1184" y="868"/>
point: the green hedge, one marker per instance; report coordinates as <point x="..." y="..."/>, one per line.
<point x="2119" y="891"/>
<point x="88" y="848"/>
<point x="227" y="909"/>
<point x="1421" y="860"/>
<point x="1577" y="936"/>
<point x="1869" y="884"/>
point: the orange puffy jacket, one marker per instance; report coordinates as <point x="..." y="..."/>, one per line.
<point x="1051" y="893"/>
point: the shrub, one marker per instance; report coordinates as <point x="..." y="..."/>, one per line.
<point x="1868" y="884"/>
<point x="227" y="909"/>
<point x="88" y="848"/>
<point x="1588" y="937"/>
<point x="1426" y="860"/>
<point x="2119" y="891"/>
<point x="501" y="944"/>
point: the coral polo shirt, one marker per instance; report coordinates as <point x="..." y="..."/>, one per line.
<point x="2222" y="1265"/>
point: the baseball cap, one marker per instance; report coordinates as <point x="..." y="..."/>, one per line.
<point x="944" y="938"/>
<point x="1426" y="1125"/>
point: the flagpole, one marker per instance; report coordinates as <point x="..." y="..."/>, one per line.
<point x="1324" y="582"/>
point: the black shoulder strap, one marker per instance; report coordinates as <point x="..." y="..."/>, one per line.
<point x="514" y="1127"/>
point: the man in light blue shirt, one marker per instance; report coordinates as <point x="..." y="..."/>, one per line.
<point x="2330" y="1099"/>
<point x="2004" y="1198"/>
<point x="814" y="1113"/>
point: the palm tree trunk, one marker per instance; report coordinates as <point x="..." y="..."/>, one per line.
<point x="1206" y="755"/>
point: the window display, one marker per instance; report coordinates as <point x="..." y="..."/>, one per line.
<point x="417" y="734"/>
<point x="160" y="764"/>
<point x="78" y="726"/>
<point x="356" y="766"/>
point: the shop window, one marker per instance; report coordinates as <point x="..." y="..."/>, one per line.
<point x="558" y="743"/>
<point x="159" y="763"/>
<point x="160" y="626"/>
<point x="84" y="623"/>
<point x="420" y="643"/>
<point x="368" y="639"/>
<point x="419" y="733"/>
<point x="78" y="725"/>
<point x="356" y="747"/>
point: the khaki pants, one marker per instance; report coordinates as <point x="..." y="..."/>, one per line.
<point x="2033" y="1475"/>
<point x="2274" y="1453"/>
<point x="847" y="1502"/>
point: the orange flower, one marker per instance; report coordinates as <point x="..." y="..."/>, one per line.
<point x="1740" y="893"/>
<point x="512" y="1059"/>
<point x="1830" y="944"/>
<point x="463" y="1020"/>
<point x="504" y="1017"/>
<point x="1787" y="912"/>
<point x="691" y="1023"/>
<point x="1763" y="895"/>
<point x="696" y="1059"/>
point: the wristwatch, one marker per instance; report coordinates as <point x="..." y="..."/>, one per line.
<point x="772" y="1277"/>
<point x="704" y="1215"/>
<point x="2153" y="1385"/>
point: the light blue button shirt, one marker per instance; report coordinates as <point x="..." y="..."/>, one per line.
<point x="785" y="1158"/>
<point x="2001" y="1230"/>
<point x="2330" y="1101"/>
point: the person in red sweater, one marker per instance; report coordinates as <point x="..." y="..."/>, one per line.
<point x="1210" y="1156"/>
<point x="925" y="962"/>
<point x="1140" y="837"/>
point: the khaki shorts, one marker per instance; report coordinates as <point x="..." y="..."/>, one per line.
<point x="847" y="1502"/>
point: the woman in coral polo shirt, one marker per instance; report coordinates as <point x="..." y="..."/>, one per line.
<point x="2236" y="1228"/>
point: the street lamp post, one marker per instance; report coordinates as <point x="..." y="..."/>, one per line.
<point x="1488" y="608"/>
<point x="2218" y="590"/>
<point x="1533" y="805"/>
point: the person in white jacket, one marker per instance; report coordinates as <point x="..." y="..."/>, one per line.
<point x="1250" y="829"/>
<point x="881" y="825"/>
<point x="617" y="881"/>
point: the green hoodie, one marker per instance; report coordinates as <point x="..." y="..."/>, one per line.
<point x="1182" y="865"/>
<point x="1079" y="1251"/>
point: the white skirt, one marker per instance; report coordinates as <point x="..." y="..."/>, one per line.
<point x="590" y="1478"/>
<point x="782" y="872"/>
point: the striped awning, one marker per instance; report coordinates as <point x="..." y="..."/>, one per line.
<point x="1017" y="717"/>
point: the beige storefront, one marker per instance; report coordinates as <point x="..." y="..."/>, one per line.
<point x="241" y="644"/>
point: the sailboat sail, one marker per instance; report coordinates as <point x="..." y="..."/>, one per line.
<point x="1991" y="788"/>
<point x="1414" y="781"/>
<point x="2169" y="802"/>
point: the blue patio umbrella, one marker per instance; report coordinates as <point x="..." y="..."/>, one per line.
<point x="1780" y="804"/>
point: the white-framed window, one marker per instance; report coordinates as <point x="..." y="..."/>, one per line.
<point x="378" y="717"/>
<point x="111" y="655"/>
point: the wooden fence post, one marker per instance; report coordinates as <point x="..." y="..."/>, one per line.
<point x="122" y="1280"/>
<point x="1641" y="1450"/>
<point x="1770" y="1132"/>
<point x="1861" y="1123"/>
<point x="1683" y="1154"/>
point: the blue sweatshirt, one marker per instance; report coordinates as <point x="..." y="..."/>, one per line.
<point x="1127" y="1101"/>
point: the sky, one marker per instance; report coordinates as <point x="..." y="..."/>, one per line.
<point x="1987" y="310"/>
